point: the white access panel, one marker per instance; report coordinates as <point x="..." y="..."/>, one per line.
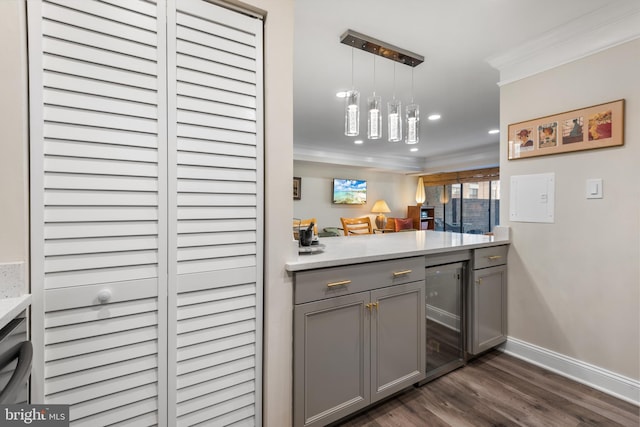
<point x="532" y="198"/>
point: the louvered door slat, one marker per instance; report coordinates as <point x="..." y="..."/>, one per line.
<point x="97" y="23"/>
<point x="213" y="107"/>
<point x="86" y="182"/>
<point x="99" y="229"/>
<point x="98" y="72"/>
<point x="123" y="15"/>
<point x="63" y="148"/>
<point x="107" y="244"/>
<point x="65" y="132"/>
<point x="78" y="35"/>
<point x="99" y="166"/>
<point x="65" y="98"/>
<point x="59" y="369"/>
<point x="211" y="373"/>
<point x="96" y="87"/>
<point x="209" y="82"/>
<point x="120" y="414"/>
<point x="228" y="96"/>
<point x="214" y="35"/>
<point x="208" y="199"/>
<point x="76" y="51"/>
<point x="99" y="374"/>
<point x="215" y="321"/>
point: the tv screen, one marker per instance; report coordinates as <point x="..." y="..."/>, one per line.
<point x="349" y="191"/>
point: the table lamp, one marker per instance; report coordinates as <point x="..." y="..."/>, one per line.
<point x="380" y="207"/>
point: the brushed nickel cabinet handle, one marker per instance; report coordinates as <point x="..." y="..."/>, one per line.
<point x="401" y="273"/>
<point x="479" y="281"/>
<point x="494" y="257"/>
<point x="340" y="283"/>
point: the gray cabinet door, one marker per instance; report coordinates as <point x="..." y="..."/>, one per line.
<point x="489" y="299"/>
<point x="331" y="359"/>
<point x="397" y="338"/>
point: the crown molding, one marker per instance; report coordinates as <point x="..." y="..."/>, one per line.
<point x="484" y="156"/>
<point x="392" y="164"/>
<point x="593" y="32"/>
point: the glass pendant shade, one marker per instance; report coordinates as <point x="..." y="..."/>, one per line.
<point x="413" y="124"/>
<point x="374" y="117"/>
<point x="352" y="113"/>
<point x="394" y="127"/>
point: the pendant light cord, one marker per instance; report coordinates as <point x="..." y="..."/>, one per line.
<point x="412" y="101"/>
<point x="394" y="80"/>
<point x="352" y="87"/>
<point x="374" y="75"/>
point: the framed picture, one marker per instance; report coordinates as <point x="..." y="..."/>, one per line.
<point x="598" y="126"/>
<point x="297" y="188"/>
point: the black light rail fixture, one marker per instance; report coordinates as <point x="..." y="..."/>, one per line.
<point x="377" y="47"/>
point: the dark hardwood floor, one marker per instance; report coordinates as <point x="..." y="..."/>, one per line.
<point x="500" y="390"/>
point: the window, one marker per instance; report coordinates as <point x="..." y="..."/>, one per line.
<point x="471" y="207"/>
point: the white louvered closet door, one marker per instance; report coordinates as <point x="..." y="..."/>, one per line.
<point x="146" y="211"/>
<point x="215" y="238"/>
<point x="99" y="228"/>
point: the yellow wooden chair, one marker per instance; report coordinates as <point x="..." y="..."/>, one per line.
<point x="355" y="226"/>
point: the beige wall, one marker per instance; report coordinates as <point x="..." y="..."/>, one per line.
<point x="397" y="190"/>
<point x="574" y="285"/>
<point x="14" y="220"/>
<point x="278" y="308"/>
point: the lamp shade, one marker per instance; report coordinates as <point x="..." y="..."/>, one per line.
<point x="380" y="206"/>
<point x="420" y="195"/>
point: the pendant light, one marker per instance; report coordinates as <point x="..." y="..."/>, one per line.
<point x="374" y="116"/>
<point x="394" y="112"/>
<point x="352" y="108"/>
<point x="395" y="116"/>
<point x="413" y="119"/>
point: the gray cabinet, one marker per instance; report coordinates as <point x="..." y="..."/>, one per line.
<point x="488" y="299"/>
<point x="354" y="349"/>
<point x="397" y="338"/>
<point x="331" y="359"/>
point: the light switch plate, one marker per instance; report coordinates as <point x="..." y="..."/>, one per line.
<point x="594" y="188"/>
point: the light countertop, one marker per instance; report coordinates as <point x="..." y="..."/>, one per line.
<point x="11" y="307"/>
<point x="377" y="247"/>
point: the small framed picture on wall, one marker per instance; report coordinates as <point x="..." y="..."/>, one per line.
<point x="297" y="188"/>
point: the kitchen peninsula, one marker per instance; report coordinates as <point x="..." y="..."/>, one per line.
<point x="362" y="329"/>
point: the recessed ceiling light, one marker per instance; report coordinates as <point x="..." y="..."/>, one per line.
<point x="358" y="141"/>
<point x="492" y="131"/>
<point x="413" y="149"/>
<point x="434" y="117"/>
<point x="341" y="94"/>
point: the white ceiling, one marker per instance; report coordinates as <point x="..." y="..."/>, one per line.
<point x="456" y="37"/>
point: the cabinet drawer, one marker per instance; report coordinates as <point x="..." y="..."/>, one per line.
<point x="489" y="257"/>
<point x="336" y="281"/>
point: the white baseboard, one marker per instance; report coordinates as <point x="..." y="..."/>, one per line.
<point x="606" y="381"/>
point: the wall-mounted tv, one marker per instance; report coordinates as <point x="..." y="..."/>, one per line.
<point x="349" y="191"/>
